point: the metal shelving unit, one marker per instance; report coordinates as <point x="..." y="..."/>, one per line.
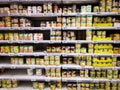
<point x="22" y="77"/>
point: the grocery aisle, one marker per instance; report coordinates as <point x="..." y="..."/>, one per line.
<point x="59" y="45"/>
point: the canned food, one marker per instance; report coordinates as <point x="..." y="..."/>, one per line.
<point x="39" y="72"/>
<point x="30" y="71"/>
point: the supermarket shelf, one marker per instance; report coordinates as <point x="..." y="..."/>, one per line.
<point x="37" y="15"/>
<point x="90" y="41"/>
<point x="32" y="15"/>
<point x="29" y="1"/>
<point x="26" y="88"/>
<point x="76" y="41"/>
<point x="88" y="54"/>
<point x="57" y="41"/>
<point x="12" y="66"/>
<point x="23" y="54"/>
<point x="76" y="28"/>
<point x="18" y="88"/>
<point x="64" y="66"/>
<point x="107" y="41"/>
<point x="56" y="54"/>
<point x="107" y="14"/>
<point x="29" y="78"/>
<point x="43" y="78"/>
<point x="92" y="13"/>
<point x="39" y="1"/>
<point x="79" y="1"/>
<point x="74" y="66"/>
<point x="78" y="79"/>
<point x="59" y="28"/>
<point x="88" y="28"/>
<point x="29" y="41"/>
<point x="30" y="28"/>
<point x="44" y="15"/>
<point x="30" y="54"/>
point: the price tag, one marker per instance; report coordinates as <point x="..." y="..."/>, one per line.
<point x="22" y="28"/>
<point x="36" y="54"/>
<point x="117" y="42"/>
<point x="33" y="79"/>
<point x="19" y="54"/>
<point x="51" y="41"/>
<point x="47" y="80"/>
<point x="10" y="54"/>
<point x="13" y="79"/>
<point x="21" y="41"/>
<point x="13" y="67"/>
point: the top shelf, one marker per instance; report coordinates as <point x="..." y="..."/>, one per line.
<point x="53" y="1"/>
<point x="80" y="1"/>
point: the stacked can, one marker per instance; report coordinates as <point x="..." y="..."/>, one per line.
<point x="84" y="73"/>
<point x="89" y="35"/>
<point x="78" y="20"/>
<point x="20" y="7"/>
<point x="47" y="8"/>
<point x="15" y="22"/>
<point x="102" y="5"/>
<point x="25" y="49"/>
<point x="59" y="22"/>
<point x="14" y="8"/>
<point x="6" y="21"/>
<point x="69" y="35"/>
<point x="69" y="73"/>
<point x="115" y="6"/>
<point x="89" y="21"/>
<point x="53" y="72"/>
<point x="90" y="48"/>
<point x="19" y="61"/>
<point x="64" y="19"/>
<point x="68" y="49"/>
<point x="39" y="72"/>
<point x="55" y="35"/>
<point x="4" y="10"/>
<point x="83" y="21"/>
<point x="108" y="5"/>
<point x="52" y="60"/>
<point x="38" y="85"/>
<point x="50" y="10"/>
<point x="38" y="36"/>
<point x="9" y="84"/>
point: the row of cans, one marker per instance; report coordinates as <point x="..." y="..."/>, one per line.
<point x="8" y="84"/>
<point x="78" y="21"/>
<point x="21" y="36"/>
<point x="16" y="49"/>
<point x="47" y="60"/>
<point x="53" y="85"/>
<point x="69" y="35"/>
<point x="37" y="72"/>
<point x="93" y="85"/>
<point x="53" y="72"/>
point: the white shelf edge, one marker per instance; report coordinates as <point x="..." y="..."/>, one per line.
<point x="62" y="14"/>
<point x="28" y="66"/>
<point x="58" y="28"/>
<point x="30" y="78"/>
<point x="55" y="54"/>
<point x="66" y="66"/>
<point x="59" y="41"/>
<point x="79" y="79"/>
<point x="30" y="41"/>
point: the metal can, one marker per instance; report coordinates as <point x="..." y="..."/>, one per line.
<point x="30" y="71"/>
<point x="39" y="72"/>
